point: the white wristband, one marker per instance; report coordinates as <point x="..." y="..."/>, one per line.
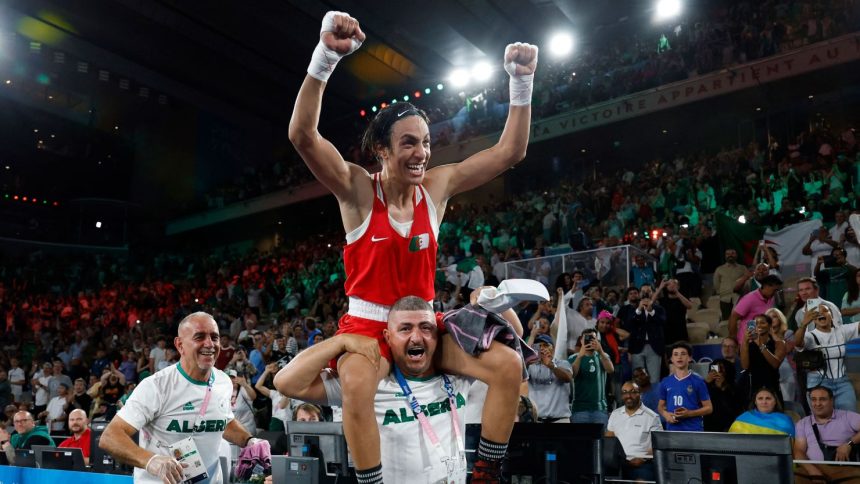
<point x="520" y="86"/>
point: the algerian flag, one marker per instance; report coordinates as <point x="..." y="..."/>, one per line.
<point x="789" y="241"/>
<point x="741" y="237"/>
<point x="466" y="265"/>
<point x="419" y="242"/>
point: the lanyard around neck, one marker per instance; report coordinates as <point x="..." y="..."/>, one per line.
<point x="205" y="405"/>
<point x="425" y="422"/>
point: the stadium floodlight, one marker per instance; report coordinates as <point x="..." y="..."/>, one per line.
<point x="560" y="44"/>
<point x="667" y="9"/>
<point x="459" y="77"/>
<point x="482" y="71"/>
<point x="98" y="224"/>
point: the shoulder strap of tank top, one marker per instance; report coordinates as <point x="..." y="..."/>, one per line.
<point x="377" y="178"/>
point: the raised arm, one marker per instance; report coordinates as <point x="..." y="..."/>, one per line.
<point x="448" y="180"/>
<point x="260" y="386"/>
<point x="340" y="35"/>
<point x="301" y="377"/>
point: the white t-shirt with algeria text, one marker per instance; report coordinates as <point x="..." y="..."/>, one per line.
<point x="406" y="449"/>
<point x="165" y="407"/>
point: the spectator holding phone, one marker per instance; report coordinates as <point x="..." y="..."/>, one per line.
<point x="590" y="366"/>
<point x="761" y="356"/>
<point x="819" y="244"/>
<point x="753" y="303"/>
<point x="724" y="396"/>
<point x="831" y="341"/>
<point x="808" y="297"/>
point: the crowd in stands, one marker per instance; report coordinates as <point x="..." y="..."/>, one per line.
<point x="618" y="61"/>
<point x="93" y="313"/>
<point x="80" y="332"/>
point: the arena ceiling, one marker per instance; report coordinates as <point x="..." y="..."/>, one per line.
<point x="252" y="55"/>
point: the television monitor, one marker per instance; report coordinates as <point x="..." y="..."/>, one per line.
<point x="570" y="452"/>
<point x="25" y="458"/>
<point x="101" y="461"/>
<point x="323" y="440"/>
<point x="715" y="457"/>
<point x="295" y="470"/>
<point x="39" y="449"/>
<point x="67" y="459"/>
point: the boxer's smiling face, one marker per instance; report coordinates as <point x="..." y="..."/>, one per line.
<point x="410" y="150"/>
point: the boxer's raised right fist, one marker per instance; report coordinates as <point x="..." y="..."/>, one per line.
<point x="341" y="33"/>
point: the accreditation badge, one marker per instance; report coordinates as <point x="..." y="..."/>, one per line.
<point x="185" y="451"/>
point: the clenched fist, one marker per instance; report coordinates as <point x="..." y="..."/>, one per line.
<point x="521" y="59"/>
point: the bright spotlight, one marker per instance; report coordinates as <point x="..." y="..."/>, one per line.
<point x="459" y="77"/>
<point x="561" y="44"/>
<point x="742" y="219"/>
<point x="98" y="225"/>
<point x="482" y="71"/>
<point x="667" y="9"/>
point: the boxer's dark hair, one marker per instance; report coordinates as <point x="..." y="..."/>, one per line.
<point x="378" y="132"/>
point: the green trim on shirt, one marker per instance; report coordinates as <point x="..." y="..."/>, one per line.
<point x="192" y="380"/>
<point x="420" y="378"/>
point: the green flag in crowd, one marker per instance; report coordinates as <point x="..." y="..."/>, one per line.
<point x="741" y="237"/>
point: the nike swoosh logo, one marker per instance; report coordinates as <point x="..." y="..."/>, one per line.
<point x="404" y="112"/>
<point x="374" y="239"/>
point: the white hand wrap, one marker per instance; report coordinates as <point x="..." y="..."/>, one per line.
<point x="324" y="60"/>
<point x="520" y="86"/>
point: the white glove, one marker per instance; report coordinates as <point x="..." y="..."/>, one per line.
<point x="166" y="468"/>
<point x="340" y="36"/>
<point x="520" y="64"/>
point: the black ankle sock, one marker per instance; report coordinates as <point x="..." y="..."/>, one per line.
<point x="369" y="476"/>
<point x="491" y="451"/>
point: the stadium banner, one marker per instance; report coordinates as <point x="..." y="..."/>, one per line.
<point x="781" y="66"/>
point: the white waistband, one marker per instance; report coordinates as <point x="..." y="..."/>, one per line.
<point x="368" y="310"/>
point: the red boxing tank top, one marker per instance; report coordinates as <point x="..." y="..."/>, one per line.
<point x="382" y="266"/>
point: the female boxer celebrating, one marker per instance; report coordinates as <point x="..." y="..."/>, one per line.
<point x="391" y="221"/>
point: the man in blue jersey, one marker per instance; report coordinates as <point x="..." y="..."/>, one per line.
<point x="684" y="397"/>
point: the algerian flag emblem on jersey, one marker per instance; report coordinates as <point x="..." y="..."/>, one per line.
<point x="188" y="406"/>
<point x="419" y="242"/>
